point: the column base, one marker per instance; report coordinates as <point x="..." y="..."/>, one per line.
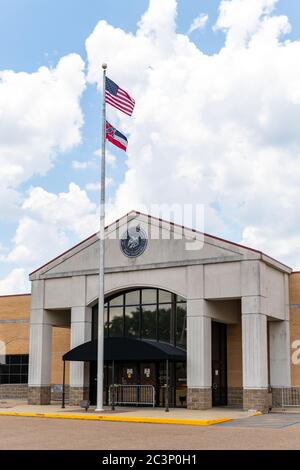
<point x="39" y="395"/>
<point x="199" y="398"/>
<point x="77" y="394"/>
<point x="257" y="399"/>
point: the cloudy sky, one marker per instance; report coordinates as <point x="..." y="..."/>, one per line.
<point x="217" y="120"/>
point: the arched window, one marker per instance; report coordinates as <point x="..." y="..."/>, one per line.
<point x="151" y="314"/>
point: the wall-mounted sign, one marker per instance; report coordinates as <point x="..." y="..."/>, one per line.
<point x="57" y="388"/>
<point x="147" y="372"/>
<point x="129" y="373"/>
<point x="134" y="242"/>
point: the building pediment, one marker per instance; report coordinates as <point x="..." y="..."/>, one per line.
<point x="138" y="241"/>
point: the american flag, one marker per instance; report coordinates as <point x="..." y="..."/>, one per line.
<point x="118" y="97"/>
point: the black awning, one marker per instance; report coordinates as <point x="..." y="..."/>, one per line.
<point x="126" y="349"/>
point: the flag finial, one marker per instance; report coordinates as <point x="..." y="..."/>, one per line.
<point x="104" y="66"/>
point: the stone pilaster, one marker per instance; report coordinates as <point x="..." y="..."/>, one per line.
<point x="39" y="395"/>
<point x="198" y="355"/>
<point x="199" y="398"/>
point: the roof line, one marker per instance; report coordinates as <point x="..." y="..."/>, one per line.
<point x="14" y="295"/>
<point x="215" y="237"/>
<point x="134" y="212"/>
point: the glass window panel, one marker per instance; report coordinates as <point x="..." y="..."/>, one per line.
<point x="105" y="321"/>
<point x="15" y="359"/>
<point x="117" y="300"/>
<point x="132" y="321"/>
<point x="14" y="379"/>
<point x="164" y="296"/>
<point x="181" y="325"/>
<point x="165" y="323"/>
<point x="116" y="321"/>
<point x="149" y="296"/>
<point x="149" y="322"/>
<point x="180" y="299"/>
<point x="95" y="322"/>
<point x="4" y="369"/>
<point x="132" y="298"/>
<point x="15" y="369"/>
<point x="16" y="365"/>
<point x="25" y="359"/>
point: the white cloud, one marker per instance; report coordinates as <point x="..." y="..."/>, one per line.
<point x="241" y="20"/>
<point x="221" y="130"/>
<point x="40" y="115"/>
<point x="14" y="283"/>
<point x="199" y="22"/>
<point x="51" y="223"/>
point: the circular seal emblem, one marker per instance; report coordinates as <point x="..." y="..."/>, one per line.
<point x="133" y="242"/>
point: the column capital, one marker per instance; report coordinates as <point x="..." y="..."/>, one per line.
<point x="254" y="304"/>
<point x="197" y="308"/>
<point x="81" y="314"/>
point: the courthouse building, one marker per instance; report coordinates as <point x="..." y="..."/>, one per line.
<point x="219" y="321"/>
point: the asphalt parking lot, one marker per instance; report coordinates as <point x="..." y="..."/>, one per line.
<point x="261" y="432"/>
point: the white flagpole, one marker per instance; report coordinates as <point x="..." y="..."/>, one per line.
<point x="100" y="365"/>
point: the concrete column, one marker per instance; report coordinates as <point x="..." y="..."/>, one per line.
<point x="280" y="363"/>
<point x="81" y="323"/>
<point x="39" y="381"/>
<point x="198" y="355"/>
<point x="255" y="354"/>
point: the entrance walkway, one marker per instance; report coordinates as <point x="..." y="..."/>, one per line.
<point x="140" y="415"/>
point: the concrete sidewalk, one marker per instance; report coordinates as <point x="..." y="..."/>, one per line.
<point x="126" y="414"/>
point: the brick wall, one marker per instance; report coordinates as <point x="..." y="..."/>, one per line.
<point x="15" y="329"/>
<point x="294" y="285"/>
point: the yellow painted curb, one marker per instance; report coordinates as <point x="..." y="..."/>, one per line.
<point x="190" y="422"/>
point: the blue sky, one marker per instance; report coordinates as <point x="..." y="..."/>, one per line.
<point x="35" y="33"/>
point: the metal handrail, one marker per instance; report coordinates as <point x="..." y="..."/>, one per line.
<point x="290" y="396"/>
<point x="131" y="395"/>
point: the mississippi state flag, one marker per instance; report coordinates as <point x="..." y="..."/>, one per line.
<point x="118" y="98"/>
<point x="115" y="137"/>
